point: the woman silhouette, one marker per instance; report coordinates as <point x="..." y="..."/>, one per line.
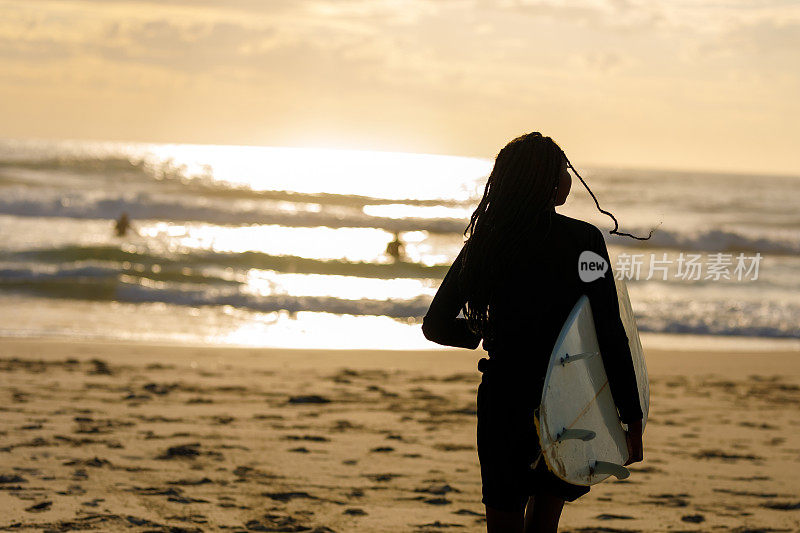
<point x="516" y="280"/>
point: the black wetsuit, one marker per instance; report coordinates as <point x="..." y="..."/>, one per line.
<point x="527" y="313"/>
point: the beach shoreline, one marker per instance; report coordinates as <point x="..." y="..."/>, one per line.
<point x="659" y="360"/>
<point x="141" y="436"/>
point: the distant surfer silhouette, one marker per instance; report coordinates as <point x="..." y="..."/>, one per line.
<point x="396" y="248"/>
<point x="123" y="225"/>
<point x="515" y="280"/>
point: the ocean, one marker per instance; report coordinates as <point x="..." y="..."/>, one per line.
<point x="287" y="247"/>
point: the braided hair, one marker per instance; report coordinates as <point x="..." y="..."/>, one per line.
<point x="517" y="206"/>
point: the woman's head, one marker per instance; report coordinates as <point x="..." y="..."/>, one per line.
<point x="525" y="179"/>
<point x="529" y="178"/>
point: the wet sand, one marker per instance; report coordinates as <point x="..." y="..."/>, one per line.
<point x="138" y="437"/>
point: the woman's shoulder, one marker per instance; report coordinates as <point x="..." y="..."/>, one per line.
<point x="576" y="226"/>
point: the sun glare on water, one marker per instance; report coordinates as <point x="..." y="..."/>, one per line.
<point x="386" y="175"/>
<point x="322" y="205"/>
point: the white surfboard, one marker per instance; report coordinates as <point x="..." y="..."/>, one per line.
<point x="582" y="439"/>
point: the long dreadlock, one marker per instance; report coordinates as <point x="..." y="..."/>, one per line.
<point x="517" y="206"/>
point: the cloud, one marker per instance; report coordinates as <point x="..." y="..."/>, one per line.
<point x="35" y="51"/>
<point x="766" y="36"/>
<point x="195" y="46"/>
<point x="613" y="15"/>
<point x="583" y="62"/>
<point x="603" y="61"/>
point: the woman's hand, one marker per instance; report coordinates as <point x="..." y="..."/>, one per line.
<point x="634" y="438"/>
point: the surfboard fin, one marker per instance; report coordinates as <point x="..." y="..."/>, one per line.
<point x="604" y="467"/>
<point x="567" y="358"/>
<point x="582" y="434"/>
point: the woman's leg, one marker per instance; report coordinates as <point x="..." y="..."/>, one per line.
<point x="543" y="513"/>
<point x="498" y="521"/>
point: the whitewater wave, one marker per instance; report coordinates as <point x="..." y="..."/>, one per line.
<point x="98" y="283"/>
<point x="750" y="319"/>
<point x="182" y="209"/>
<point x="712" y="240"/>
<point x="101" y="165"/>
<point x="86" y="284"/>
<point x="240" y="260"/>
<point x="109" y="273"/>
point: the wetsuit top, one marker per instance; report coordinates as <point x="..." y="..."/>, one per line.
<point x="531" y="305"/>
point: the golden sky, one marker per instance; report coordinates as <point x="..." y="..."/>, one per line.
<point x="652" y="83"/>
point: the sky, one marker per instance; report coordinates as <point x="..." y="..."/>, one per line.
<point x="675" y="84"/>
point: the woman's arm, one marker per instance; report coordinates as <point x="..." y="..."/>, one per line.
<point x="634" y="441"/>
<point x="612" y="339"/>
<point x="441" y="323"/>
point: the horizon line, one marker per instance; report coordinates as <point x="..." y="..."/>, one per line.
<point x="621" y="167"/>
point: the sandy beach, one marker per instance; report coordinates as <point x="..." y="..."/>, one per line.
<point x="113" y="436"/>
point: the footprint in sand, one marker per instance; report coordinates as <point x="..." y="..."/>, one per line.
<point x="288" y="496"/>
<point x="748" y="493"/>
<point x="783" y="506"/>
<point x="39" y="507"/>
<point x="310" y="438"/>
<point x="693" y="518"/>
<point x="272" y="522"/>
<point x="670" y="500"/>
<point x="99" y="367"/>
<point x="309" y="399"/>
<point x="72" y="490"/>
<point x="451" y="447"/>
<point x="382" y="477"/>
<point x="190" y="482"/>
<point x="382" y="449"/>
<point x="184" y="450"/>
<point x="613" y="517"/>
<point x="186" y="499"/>
<point x="438" y="525"/>
<point x="436" y="501"/>
<point x="439" y="489"/>
<point x="725" y="456"/>
<point x="95" y="462"/>
<point x="160" y="388"/>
